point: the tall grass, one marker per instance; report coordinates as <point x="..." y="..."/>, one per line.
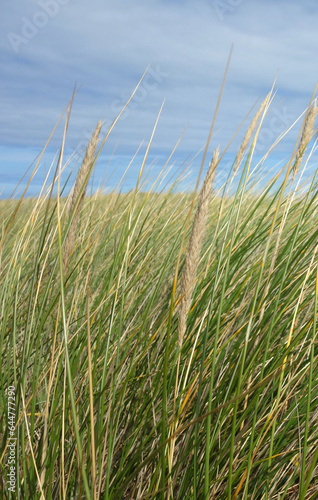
<point x="110" y="407"/>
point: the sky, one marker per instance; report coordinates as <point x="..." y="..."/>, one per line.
<point x="104" y="47"/>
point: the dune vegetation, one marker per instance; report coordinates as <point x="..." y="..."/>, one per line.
<point x="163" y="344"/>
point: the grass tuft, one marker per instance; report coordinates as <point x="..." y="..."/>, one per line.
<point x="126" y="390"/>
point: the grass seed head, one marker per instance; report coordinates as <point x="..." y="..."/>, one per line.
<point x="307" y="133"/>
<point x="78" y="193"/>
<point x="194" y="247"/>
<point x="249" y="133"/>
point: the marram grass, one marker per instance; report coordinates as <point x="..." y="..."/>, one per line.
<point x="84" y="337"/>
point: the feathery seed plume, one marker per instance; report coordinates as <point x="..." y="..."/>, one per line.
<point x="78" y="192"/>
<point x="249" y="133"/>
<point x="194" y="247"/>
<point x="307" y="133"/>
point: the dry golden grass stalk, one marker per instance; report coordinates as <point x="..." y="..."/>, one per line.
<point x="307" y="133"/>
<point x="249" y="133"/>
<point x="78" y="193"/>
<point x="194" y="247"/>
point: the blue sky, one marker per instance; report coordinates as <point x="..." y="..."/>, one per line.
<point x="46" y="46"/>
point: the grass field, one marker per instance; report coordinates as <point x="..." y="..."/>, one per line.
<point x="163" y="345"/>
